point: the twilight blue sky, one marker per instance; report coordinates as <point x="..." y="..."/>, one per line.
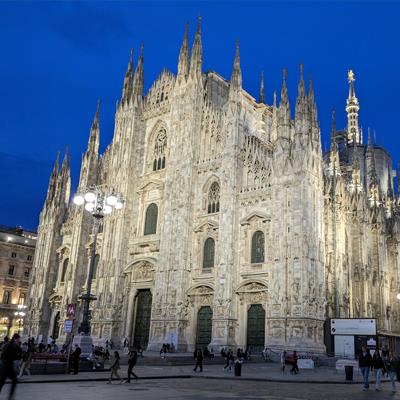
<point x="57" y="58"/>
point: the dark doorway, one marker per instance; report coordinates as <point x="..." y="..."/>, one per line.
<point x="142" y="319"/>
<point x="56" y="326"/>
<point x="256" y="327"/>
<point x="204" y="327"/>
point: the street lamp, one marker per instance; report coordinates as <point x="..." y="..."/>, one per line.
<point x="21" y="315"/>
<point x="99" y="203"/>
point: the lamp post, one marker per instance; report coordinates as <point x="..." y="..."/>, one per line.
<point x="21" y="314"/>
<point x="99" y="203"/>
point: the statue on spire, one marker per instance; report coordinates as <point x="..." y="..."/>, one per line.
<point x="351" y="76"/>
<point x="352" y="108"/>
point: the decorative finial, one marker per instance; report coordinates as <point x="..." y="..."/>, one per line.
<point x="198" y="24"/>
<point x="131" y="56"/>
<point x="284" y="73"/>
<point x="351" y="76"/>
<point x="262" y="95"/>
<point x="301" y="69"/>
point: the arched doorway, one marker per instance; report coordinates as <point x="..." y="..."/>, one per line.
<point x="56" y="326"/>
<point x="256" y="327"/>
<point x="142" y="318"/>
<point x="204" y="327"/>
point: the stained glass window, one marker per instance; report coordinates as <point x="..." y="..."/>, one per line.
<point x="208" y="253"/>
<point x="257" y="247"/>
<point x="150" y="225"/>
<point x="213" y="199"/>
<point x="159" y="150"/>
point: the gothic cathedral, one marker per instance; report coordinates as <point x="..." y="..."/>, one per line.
<point x="237" y="230"/>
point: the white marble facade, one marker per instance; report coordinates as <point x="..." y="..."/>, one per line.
<point x="286" y="228"/>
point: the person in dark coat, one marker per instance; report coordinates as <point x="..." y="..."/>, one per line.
<point x="392" y="366"/>
<point x="379" y="368"/>
<point x="11" y="352"/>
<point x="365" y="363"/>
<point x="133" y="355"/>
<point x="198" y="355"/>
<point x="75" y="356"/>
<point x="295" y="368"/>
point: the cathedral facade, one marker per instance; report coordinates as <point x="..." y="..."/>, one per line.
<point x="237" y="230"/>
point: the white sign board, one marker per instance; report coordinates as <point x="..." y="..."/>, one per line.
<point x="344" y="346"/>
<point x="353" y="326"/>
<point x="305" y="363"/>
<point x="68" y="325"/>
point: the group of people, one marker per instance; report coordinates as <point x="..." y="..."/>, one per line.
<point x="382" y="362"/>
<point x="115" y="366"/>
<point x="165" y="348"/>
<point x="292" y="360"/>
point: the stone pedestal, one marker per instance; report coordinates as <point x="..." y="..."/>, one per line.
<point x="85" y="342"/>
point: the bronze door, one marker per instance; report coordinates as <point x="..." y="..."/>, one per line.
<point x="142" y="320"/>
<point x="204" y="327"/>
<point x="256" y="327"/>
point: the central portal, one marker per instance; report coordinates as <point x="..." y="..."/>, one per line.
<point x="256" y="327"/>
<point x="204" y="327"/>
<point x="142" y="319"/>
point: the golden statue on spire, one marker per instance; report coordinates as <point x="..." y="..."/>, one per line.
<point x="350" y="76"/>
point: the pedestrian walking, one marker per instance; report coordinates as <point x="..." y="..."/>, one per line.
<point x="295" y="368"/>
<point x="75" y="357"/>
<point x="26" y="362"/>
<point x="365" y="363"/>
<point x="392" y="366"/>
<point x="133" y="355"/>
<point x="115" y="367"/>
<point x="198" y="355"/>
<point x="379" y="368"/>
<point x="11" y="352"/>
<point x="283" y="362"/>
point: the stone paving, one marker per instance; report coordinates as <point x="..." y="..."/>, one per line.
<point x="196" y="389"/>
<point x="255" y="372"/>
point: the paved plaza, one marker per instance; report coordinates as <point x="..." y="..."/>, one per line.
<point x="259" y="381"/>
<point x="196" y="389"/>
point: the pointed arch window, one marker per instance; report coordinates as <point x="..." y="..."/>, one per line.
<point x="213" y="199"/>
<point x="257" y="247"/>
<point x="160" y="146"/>
<point x="64" y="269"/>
<point x="208" y="253"/>
<point x="96" y="262"/>
<point x="150" y="224"/>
